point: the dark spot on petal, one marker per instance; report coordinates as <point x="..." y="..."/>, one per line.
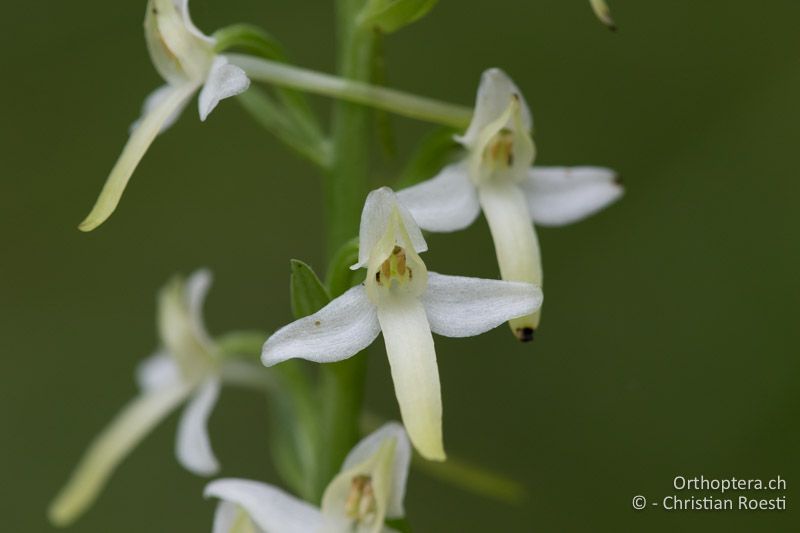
<point x="317" y="323"/>
<point x="525" y="334"/>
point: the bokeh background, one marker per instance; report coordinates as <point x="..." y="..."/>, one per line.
<point x="669" y="340"/>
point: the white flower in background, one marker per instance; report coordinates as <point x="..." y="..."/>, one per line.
<point x="185" y="58"/>
<point x="496" y="176"/>
<point x="602" y="11"/>
<point x="406" y="302"/>
<point x="188" y="367"/>
<point x="369" y="488"/>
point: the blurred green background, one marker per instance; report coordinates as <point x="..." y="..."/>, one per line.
<point x="669" y="340"/>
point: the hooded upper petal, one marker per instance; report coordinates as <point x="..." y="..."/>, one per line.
<point x="370" y="445"/>
<point x="447" y="202"/>
<point x="412" y="357"/>
<point x="270" y="508"/>
<point x="495" y="91"/>
<point x="224" y="80"/>
<point x="344" y="327"/>
<point x="179" y="51"/>
<point x="109" y="448"/>
<point x="562" y="195"/>
<point x="464" y="307"/>
<point x="192" y="446"/>
<point x="376" y="217"/>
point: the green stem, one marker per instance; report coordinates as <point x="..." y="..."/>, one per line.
<point x="346" y="186"/>
<point x="357" y="90"/>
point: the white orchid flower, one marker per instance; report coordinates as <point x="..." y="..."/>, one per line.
<point x="369" y="488"/>
<point x="496" y="176"/>
<point x="406" y="302"/>
<point x="185" y="58"/>
<point x="188" y="368"/>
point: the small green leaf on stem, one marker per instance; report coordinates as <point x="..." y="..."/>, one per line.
<point x="390" y="15"/>
<point x="434" y="150"/>
<point x="339" y="277"/>
<point x="308" y="294"/>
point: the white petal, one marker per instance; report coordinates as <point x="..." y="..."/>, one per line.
<point x="375" y="218"/>
<point x="370" y="445"/>
<point x="230" y="518"/>
<point x="109" y="448"/>
<point x="561" y="195"/>
<point x="447" y="202"/>
<point x="494" y="94"/>
<point x="339" y="330"/>
<point x="157" y="371"/>
<point x="270" y="508"/>
<point x="224" y="80"/>
<point x="463" y="307"/>
<point x="140" y="140"/>
<point x="517" y="248"/>
<point x="412" y="357"/>
<point x="152" y="101"/>
<point x="192" y="446"/>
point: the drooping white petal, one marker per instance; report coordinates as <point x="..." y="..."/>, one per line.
<point x="152" y="101"/>
<point x="412" y="357"/>
<point x="109" y="448"/>
<point x="494" y="93"/>
<point x="270" y="508"/>
<point x="192" y="445"/>
<point x="517" y="248"/>
<point x="157" y="371"/>
<point x="464" y="307"/>
<point x="339" y="330"/>
<point x="376" y="216"/>
<point x="370" y="445"/>
<point x="447" y="202"/>
<point x="224" y="80"/>
<point x="561" y="195"/>
<point x="140" y="140"/>
<point x="230" y="518"/>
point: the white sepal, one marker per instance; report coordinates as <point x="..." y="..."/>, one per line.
<point x="447" y="202"/>
<point x="224" y="80"/>
<point x="344" y="327"/>
<point x="157" y="371"/>
<point x="152" y="101"/>
<point x="270" y="508"/>
<point x="465" y="307"/>
<point x="562" y="195"/>
<point x="192" y="446"/>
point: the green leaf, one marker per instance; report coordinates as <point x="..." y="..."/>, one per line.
<point x="308" y="294"/>
<point x="390" y="15"/>
<point x="250" y="39"/>
<point x="434" y="151"/>
<point x="275" y="119"/>
<point x="383" y="121"/>
<point x="339" y="277"/>
<point x="292" y="121"/>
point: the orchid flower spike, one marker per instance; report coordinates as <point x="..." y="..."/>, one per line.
<point x="496" y="176"/>
<point x="185" y="58"/>
<point x="400" y="298"/>
<point x="188" y="367"/>
<point x="369" y="488"/>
